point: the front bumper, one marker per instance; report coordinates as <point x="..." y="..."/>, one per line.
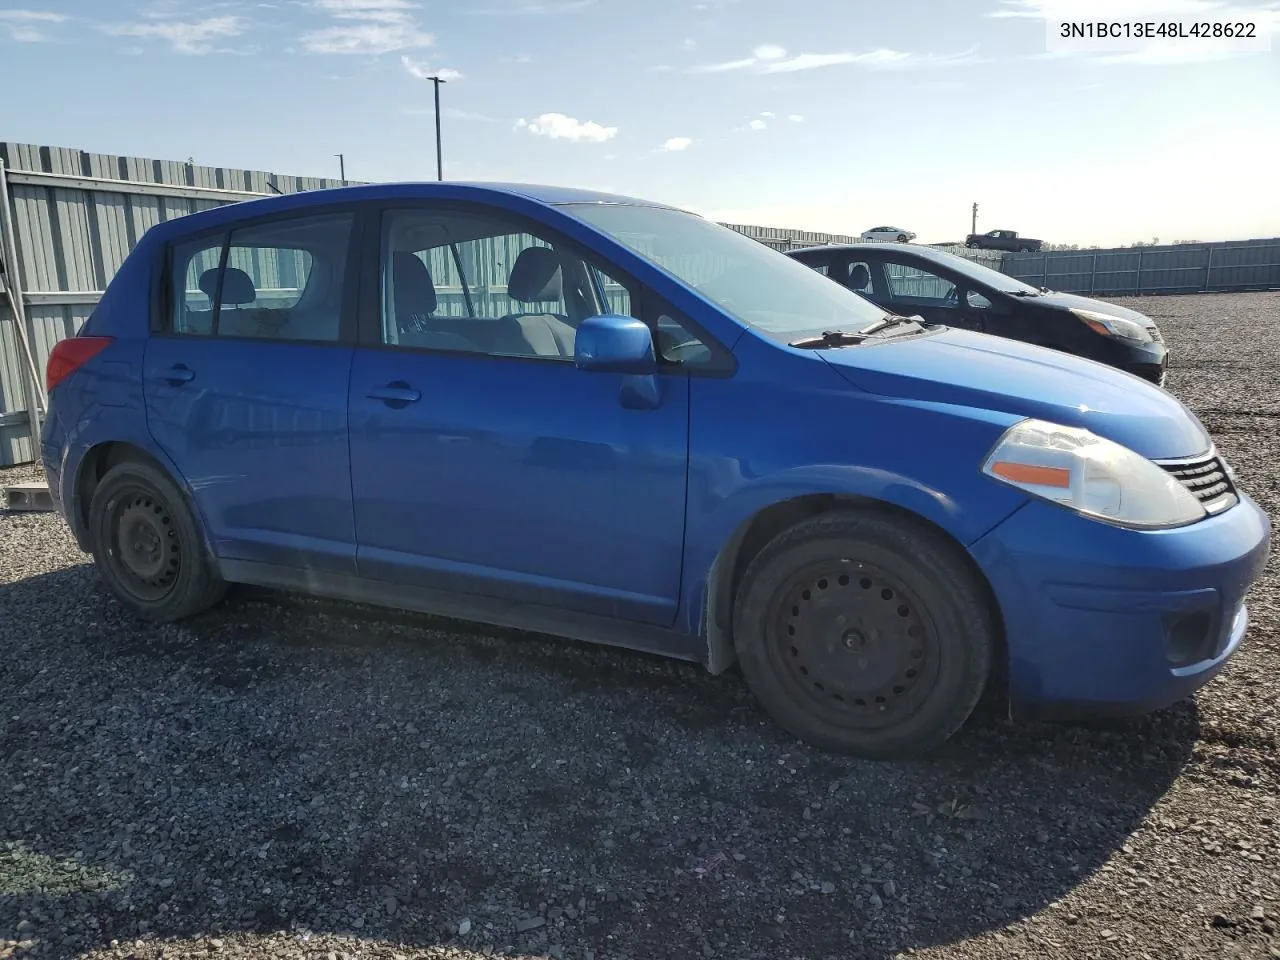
<point x="1149" y="361"/>
<point x="1100" y="620"/>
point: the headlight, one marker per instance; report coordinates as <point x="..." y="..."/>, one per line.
<point x="1091" y="475"/>
<point x="1117" y="328"/>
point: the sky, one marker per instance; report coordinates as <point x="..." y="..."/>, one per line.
<point x="830" y="115"/>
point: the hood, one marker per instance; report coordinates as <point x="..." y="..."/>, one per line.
<point x="1067" y="301"/>
<point x="977" y="370"/>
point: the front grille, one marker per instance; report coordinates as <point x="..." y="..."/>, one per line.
<point x="1155" y="333"/>
<point x="1207" y="479"/>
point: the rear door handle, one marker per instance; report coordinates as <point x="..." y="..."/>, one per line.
<point x="177" y="374"/>
<point x="395" y="394"/>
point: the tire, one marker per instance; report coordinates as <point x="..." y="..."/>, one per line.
<point x="896" y="592"/>
<point x="902" y="238"/>
<point x="162" y="571"/>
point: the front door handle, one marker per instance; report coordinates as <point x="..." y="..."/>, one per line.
<point x="395" y="394"/>
<point x="177" y="374"/>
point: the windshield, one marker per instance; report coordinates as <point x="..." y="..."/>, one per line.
<point x="749" y="281"/>
<point x="983" y="274"/>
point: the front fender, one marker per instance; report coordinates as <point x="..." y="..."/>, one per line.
<point x="715" y="535"/>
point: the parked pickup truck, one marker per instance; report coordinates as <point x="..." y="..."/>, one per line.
<point x="1003" y="240"/>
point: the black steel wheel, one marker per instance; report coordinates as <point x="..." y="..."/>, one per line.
<point x="143" y="545"/>
<point x="865" y="633"/>
<point x="854" y="642"/>
<point x="147" y="546"/>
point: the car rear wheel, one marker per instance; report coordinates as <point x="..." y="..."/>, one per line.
<point x="147" y="546"/>
<point x="902" y="238"/>
<point x="864" y="634"/>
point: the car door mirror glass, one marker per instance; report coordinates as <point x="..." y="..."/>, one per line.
<point x="614" y="344"/>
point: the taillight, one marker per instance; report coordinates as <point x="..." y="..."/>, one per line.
<point x="70" y="355"/>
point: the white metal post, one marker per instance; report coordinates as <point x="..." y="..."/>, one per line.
<point x="36" y="399"/>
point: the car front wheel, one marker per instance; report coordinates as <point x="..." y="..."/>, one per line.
<point x="864" y="634"/>
<point x="147" y="547"/>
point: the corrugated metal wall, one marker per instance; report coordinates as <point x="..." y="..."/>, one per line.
<point x="1230" y="266"/>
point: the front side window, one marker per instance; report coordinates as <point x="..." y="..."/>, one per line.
<point x="480" y="283"/>
<point x="755" y="285"/>
<point x="910" y="285"/>
<point x="282" y="280"/>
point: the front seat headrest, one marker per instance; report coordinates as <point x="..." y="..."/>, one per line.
<point x="237" y="288"/>
<point x="535" y="276"/>
<point x="413" y="289"/>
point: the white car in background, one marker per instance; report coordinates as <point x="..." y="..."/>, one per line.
<point x="888" y="233"/>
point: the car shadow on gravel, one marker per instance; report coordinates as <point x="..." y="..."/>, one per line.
<point x="285" y="765"/>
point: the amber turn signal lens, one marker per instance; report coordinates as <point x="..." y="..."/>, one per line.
<point x="1039" y="476"/>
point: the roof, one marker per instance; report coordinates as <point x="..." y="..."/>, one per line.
<point x="918" y="250"/>
<point x="509" y="195"/>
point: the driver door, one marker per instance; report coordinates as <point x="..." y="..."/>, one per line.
<point x="914" y="289"/>
<point x="484" y="461"/>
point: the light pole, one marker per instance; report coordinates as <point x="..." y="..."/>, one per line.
<point x="439" y="156"/>
<point x="342" y="168"/>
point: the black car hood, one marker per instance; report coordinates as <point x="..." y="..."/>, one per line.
<point x="1067" y="301"/>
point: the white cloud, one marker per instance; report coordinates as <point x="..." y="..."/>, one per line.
<point x="367" y="27"/>
<point x="453" y="113"/>
<point x="536" y="9"/>
<point x="362" y="8"/>
<point x="370" y="38"/>
<point x="190" y="37"/>
<point x="32" y="16"/>
<point x="557" y="126"/>
<point x="768" y="116"/>
<point x="419" y="69"/>
<point x="796" y="117"/>
<point x="676" y="144"/>
<point x="689" y="44"/>
<point x="757" y="124"/>
<point x="774" y="59"/>
<point x="1108" y="9"/>
<point x="815" y="61"/>
<point x="724" y="67"/>
<point x="26" y="26"/>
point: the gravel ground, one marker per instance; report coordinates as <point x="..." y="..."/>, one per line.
<point x="291" y="778"/>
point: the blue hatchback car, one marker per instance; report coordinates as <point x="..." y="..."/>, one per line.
<point x="608" y="419"/>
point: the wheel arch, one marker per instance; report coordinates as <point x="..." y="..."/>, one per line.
<point x="755" y="532"/>
<point x="98" y="460"/>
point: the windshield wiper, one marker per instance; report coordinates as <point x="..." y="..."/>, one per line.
<point x="829" y="338"/>
<point x="844" y="338"/>
<point x="890" y="320"/>
<point x="1026" y="293"/>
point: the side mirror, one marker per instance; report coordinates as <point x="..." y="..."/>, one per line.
<point x="614" y="344"/>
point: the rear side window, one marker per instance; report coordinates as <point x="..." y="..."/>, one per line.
<point x="282" y="280"/>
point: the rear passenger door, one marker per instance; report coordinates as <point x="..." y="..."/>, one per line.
<point x="245" y="383"/>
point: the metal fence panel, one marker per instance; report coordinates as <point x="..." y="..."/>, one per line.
<point x="1230" y="266"/>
